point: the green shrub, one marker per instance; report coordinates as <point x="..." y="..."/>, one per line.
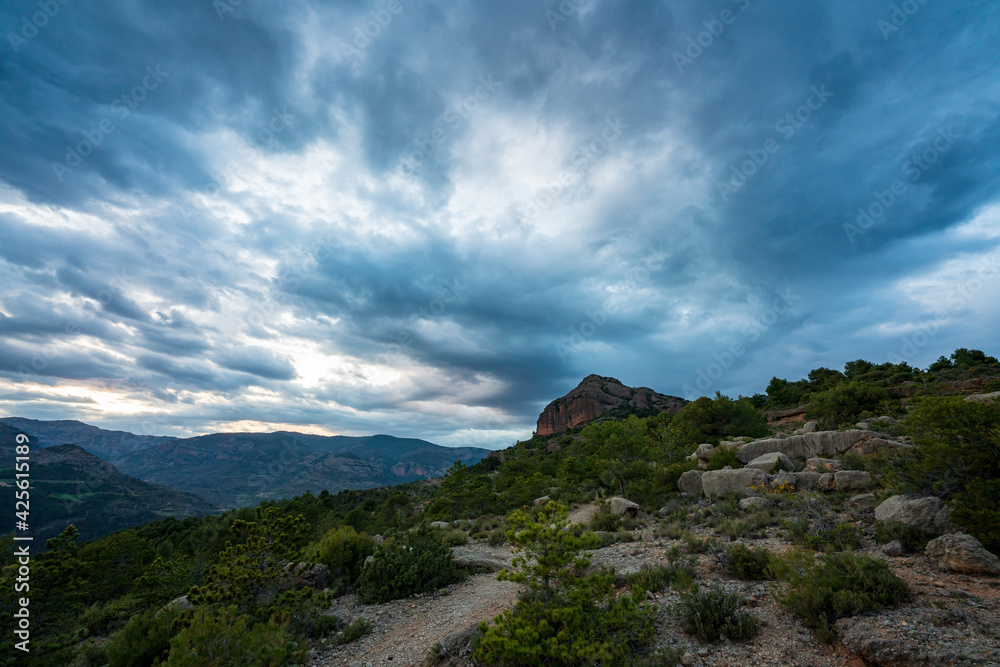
<point x="822" y="534"/>
<point x="957" y="458"/>
<point x="565" y="616"/>
<point x="912" y="538"/>
<point x="344" y="551"/>
<point x="746" y="563"/>
<point x="403" y="565"/>
<point x="822" y="589"/>
<point x="603" y="519"/>
<point x="711" y="420"/>
<point x="722" y="457"/>
<point x="354" y="631"/>
<point x="712" y="613"/>
<point x="849" y="401"/>
<point x="143" y="640"/>
<point x="223" y="636"/>
<point x="678" y="572"/>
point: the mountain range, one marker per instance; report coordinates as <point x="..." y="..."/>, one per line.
<point x="71" y="485"/>
<point x="235" y="469"/>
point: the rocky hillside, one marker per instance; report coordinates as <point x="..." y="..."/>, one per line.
<point x="597" y="397"/>
<point x="72" y="486"/>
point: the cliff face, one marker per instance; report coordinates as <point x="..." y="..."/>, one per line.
<point x="595" y="397"/>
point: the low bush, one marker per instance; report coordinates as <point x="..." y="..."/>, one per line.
<point x="144" y="640"/>
<point x="344" y="551"/>
<point x="822" y="589"/>
<point x="225" y="637"/>
<point x="746" y="563"/>
<point x="822" y="534"/>
<point x="714" y="613"/>
<point x="912" y="538"/>
<point x="722" y="457"/>
<point x="406" y="564"/>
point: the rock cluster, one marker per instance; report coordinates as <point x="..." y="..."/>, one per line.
<point x="595" y="397"/>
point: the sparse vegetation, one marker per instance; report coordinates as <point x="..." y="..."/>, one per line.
<point x="822" y="589"/>
<point x="712" y="614"/>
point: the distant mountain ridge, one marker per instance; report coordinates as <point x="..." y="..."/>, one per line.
<point x="71" y="485"/>
<point x="234" y="469"/>
<point x="109" y="445"/>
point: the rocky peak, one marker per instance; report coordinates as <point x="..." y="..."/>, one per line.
<point x="595" y="397"/>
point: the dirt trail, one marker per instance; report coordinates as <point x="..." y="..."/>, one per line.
<point x="406" y="629"/>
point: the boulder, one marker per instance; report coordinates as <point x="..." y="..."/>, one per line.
<point x="704" y="452"/>
<point x="806" y="480"/>
<point x="808" y="427"/>
<point x="552" y="447"/>
<point x="177" y="604"/>
<point x="755" y="503"/>
<point x="767" y="462"/>
<point x="311" y="575"/>
<point x="826" y="482"/>
<point x="717" y="482"/>
<point x="469" y="557"/>
<point x="870" y="446"/>
<point x="784" y="481"/>
<point x="621" y="506"/>
<point x="852" y="480"/>
<point x="959" y="552"/>
<point x="807" y="445"/>
<point x="862" y="500"/>
<point x="988" y="399"/>
<point x="541" y="501"/>
<point x="929" y="514"/>
<point x="459" y="643"/>
<point x="894" y="548"/>
<point x="439" y="524"/>
<point x="823" y="465"/>
<point x="690" y="482"/>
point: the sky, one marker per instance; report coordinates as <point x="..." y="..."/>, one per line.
<point x="429" y="219"/>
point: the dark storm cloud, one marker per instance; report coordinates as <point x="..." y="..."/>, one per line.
<point x="753" y="134"/>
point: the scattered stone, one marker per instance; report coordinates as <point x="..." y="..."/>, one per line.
<point x="894" y="548"/>
<point x="959" y="552"/>
<point x="767" y="462"/>
<point x="718" y="482"/>
<point x="823" y="465"/>
<point x="755" y="502"/>
<point x="929" y="514"/>
<point x="690" y="482"/>
<point x="862" y="500"/>
<point x="621" y="506"/>
<point x="852" y="480"/>
<point x="687" y="659"/>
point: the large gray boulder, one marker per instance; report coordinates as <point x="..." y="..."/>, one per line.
<point x="806" y="480"/>
<point x="807" y="445"/>
<point x="929" y="514"/>
<point x="852" y="480"/>
<point x="622" y="506"/>
<point x="690" y="482"/>
<point x="766" y="462"/>
<point x="717" y="482"/>
<point x="959" y="552"/>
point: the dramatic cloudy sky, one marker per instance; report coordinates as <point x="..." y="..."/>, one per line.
<point x="252" y="215"/>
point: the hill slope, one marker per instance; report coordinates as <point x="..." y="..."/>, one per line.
<point x="70" y="485"/>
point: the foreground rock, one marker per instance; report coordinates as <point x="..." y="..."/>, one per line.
<point x="622" y="506"/>
<point x="767" y="462"/>
<point x="959" y="552"/>
<point x="928" y="514"/>
<point x="742" y="481"/>
<point x="690" y="482"/>
<point x="595" y="397"/>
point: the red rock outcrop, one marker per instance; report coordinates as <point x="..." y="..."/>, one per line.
<point x="595" y="397"/>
